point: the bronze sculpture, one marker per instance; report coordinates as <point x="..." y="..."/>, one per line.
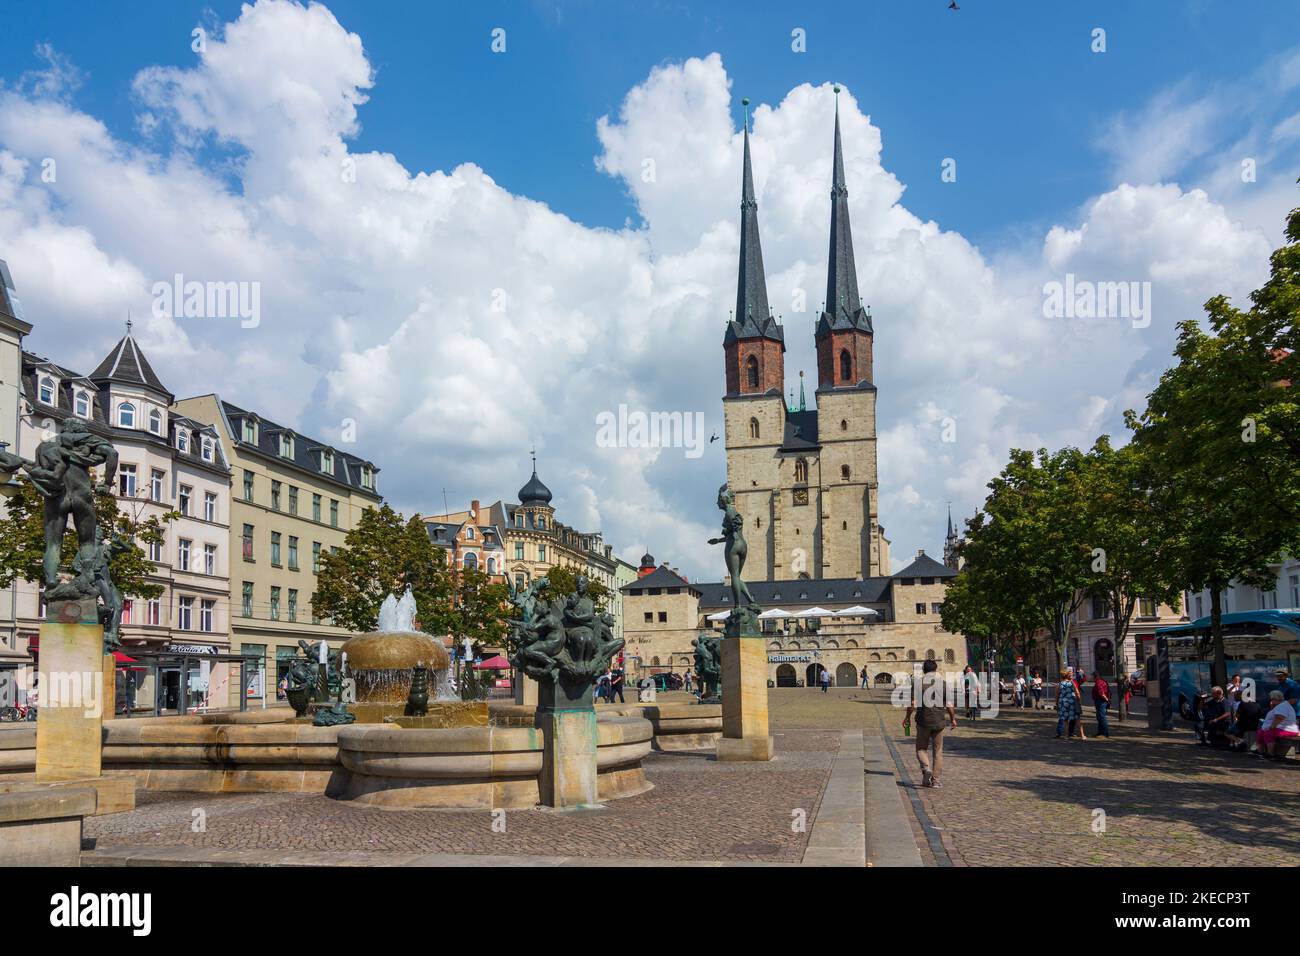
<point x="564" y="644"/>
<point x="61" y="473"/>
<point x="110" y="612"/>
<point x="303" y="679"/>
<point x="743" y="619"/>
<point x="417" y="701"/>
<point x="708" y="668"/>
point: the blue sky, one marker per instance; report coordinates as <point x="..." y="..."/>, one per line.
<point x="1011" y="89"/>
<point x="381" y="293"/>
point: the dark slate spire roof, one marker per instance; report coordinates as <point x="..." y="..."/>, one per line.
<point x="534" y="493"/>
<point x="10" y="307"/>
<point x="926" y="567"/>
<point x="843" y="305"/>
<point x="753" y="318"/>
<point x="127" y="364"/>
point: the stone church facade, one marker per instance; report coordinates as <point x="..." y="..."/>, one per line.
<point x="807" y="484"/>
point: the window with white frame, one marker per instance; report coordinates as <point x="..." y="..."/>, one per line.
<point x="207" y="612"/>
<point x="286" y="445"/>
<point x="185" y="613"/>
<point x="126" y="481"/>
<point x="209" y="506"/>
<point x="182" y="439"/>
<point x="183" y="554"/>
<point x="209" y="559"/>
<point x="156" y="484"/>
<point x="156" y="550"/>
<point x="153" y="612"/>
<point x="250" y="431"/>
<point x="155" y="421"/>
<point x="46" y="391"/>
<point x="327" y="461"/>
<point x="207" y="447"/>
<point x="126" y="415"/>
<point x="81" y="404"/>
<point x="183" y="495"/>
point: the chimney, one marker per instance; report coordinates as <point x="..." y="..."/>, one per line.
<point x="920" y="552"/>
<point x="473" y="506"/>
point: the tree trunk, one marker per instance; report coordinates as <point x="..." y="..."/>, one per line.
<point x="1220" y="675"/>
<point x="1121" y="666"/>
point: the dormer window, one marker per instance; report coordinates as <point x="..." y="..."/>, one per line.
<point x="327" y="461"/>
<point x="469" y="534"/>
<point x="155" y="422"/>
<point x="81" y="405"/>
<point x="126" y="415"/>
<point x="367" y="477"/>
<point x="250" y="431"/>
<point x="207" y="448"/>
<point x="47" y="391"/>
<point x="286" y="445"/>
<point x="519" y="521"/>
<point x="541" y="522"/>
<point x="182" y="439"/>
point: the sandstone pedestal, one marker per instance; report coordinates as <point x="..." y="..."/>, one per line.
<point x="76" y="689"/>
<point x="744" y="700"/>
<point x="525" y="689"/>
<point x="69" y="730"/>
<point x="568" y="778"/>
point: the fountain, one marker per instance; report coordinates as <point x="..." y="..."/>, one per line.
<point x="383" y="662"/>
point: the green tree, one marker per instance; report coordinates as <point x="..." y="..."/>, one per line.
<point x="1221" y="435"/>
<point x="988" y="605"/>
<point x="1028" y="539"/>
<point x="385" y="554"/>
<point x="22" y="541"/>
<point x="1128" y="537"/>
<point x="480" y="610"/>
<point x="565" y="581"/>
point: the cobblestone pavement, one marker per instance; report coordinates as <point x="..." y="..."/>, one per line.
<point x="699" y="809"/>
<point x="1014" y="795"/>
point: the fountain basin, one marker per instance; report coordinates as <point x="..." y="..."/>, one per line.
<point x="381" y="663"/>
<point x="481" y="767"/>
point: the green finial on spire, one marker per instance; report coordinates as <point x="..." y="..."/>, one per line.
<point x="803" y="402"/>
<point x="745" y="103"/>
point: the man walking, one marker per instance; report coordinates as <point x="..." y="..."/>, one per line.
<point x="616" y="685"/>
<point x="1101" y="700"/>
<point x="933" y="712"/>
<point x="865" y="675"/>
<point x="825" y="678"/>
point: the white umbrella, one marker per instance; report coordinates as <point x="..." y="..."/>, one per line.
<point x="720" y="616"/>
<point x="857" y="611"/>
<point x="775" y="612"/>
<point x="814" y="612"/>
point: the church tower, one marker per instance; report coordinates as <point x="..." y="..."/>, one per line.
<point x="846" y="403"/>
<point x="753" y="409"/>
<point x="804" y="479"/>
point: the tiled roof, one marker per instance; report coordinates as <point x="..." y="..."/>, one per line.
<point x="306" y="451"/>
<point x="794" y="594"/>
<point x="661" y="577"/>
<point x="926" y="567"/>
<point x="127" y="364"/>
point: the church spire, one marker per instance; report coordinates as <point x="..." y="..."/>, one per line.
<point x="752" y="311"/>
<point x="843" y="305"/>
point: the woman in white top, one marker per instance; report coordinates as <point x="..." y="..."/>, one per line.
<point x="1279" y="728"/>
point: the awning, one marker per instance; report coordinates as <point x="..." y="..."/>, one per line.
<point x="773" y="613"/>
<point x="857" y="611"/>
<point x="495" y="663"/>
<point x="720" y="616"/>
<point x="123" y="659"/>
<point x="815" y="612"/>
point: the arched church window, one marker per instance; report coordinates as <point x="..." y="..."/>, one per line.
<point x="844" y="425"/>
<point x="751" y="371"/>
<point x="846" y="366"/>
<point x="801" y="470"/>
<point x="844" y="472"/>
<point x="753" y="428"/>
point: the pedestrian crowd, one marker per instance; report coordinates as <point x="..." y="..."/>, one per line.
<point x="1231" y="717"/>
